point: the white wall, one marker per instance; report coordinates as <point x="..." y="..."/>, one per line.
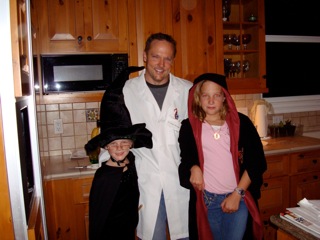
<point x="7" y="98"/>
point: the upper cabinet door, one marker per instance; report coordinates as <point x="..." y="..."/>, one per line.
<point x="83" y="26"/>
<point x="194" y="30"/>
<point x="21" y="57"/>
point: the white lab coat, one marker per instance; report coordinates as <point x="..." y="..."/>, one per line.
<point x="158" y="167"/>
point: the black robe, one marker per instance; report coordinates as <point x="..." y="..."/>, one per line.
<point x="113" y="202"/>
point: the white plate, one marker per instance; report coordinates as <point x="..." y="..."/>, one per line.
<point x="78" y="153"/>
<point x="93" y="166"/>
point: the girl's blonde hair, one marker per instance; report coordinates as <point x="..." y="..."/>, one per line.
<point x="197" y="110"/>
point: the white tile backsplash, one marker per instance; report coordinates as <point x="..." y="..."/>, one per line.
<point x="77" y="130"/>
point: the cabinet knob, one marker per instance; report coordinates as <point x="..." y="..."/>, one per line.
<point x="265" y="184"/>
<point x="315" y="177"/>
<point x="314" y="161"/>
<point x="89" y="38"/>
<point x="301" y="155"/>
<point x="58" y="233"/>
<point x="177" y="17"/>
<point x="79" y="39"/>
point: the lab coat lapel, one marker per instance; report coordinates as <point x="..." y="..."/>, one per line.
<point x="172" y="94"/>
<point x="146" y="94"/>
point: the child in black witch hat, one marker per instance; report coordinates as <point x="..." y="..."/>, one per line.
<point x="114" y="194"/>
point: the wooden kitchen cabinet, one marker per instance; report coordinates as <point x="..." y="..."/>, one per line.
<point x="67" y="208"/>
<point x="274" y="191"/>
<point x="305" y="179"/>
<point x="274" y="198"/>
<point x="20" y="52"/>
<point x="35" y="227"/>
<point x="81" y="191"/>
<point x="72" y="26"/>
<point x="198" y="28"/>
<point x="304" y="186"/>
<point x="243" y="64"/>
<point x="77" y="26"/>
<point x="289" y="178"/>
<point x="194" y="29"/>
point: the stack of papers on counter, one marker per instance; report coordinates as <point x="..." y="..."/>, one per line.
<point x="306" y="216"/>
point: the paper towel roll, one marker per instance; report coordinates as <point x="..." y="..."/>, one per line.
<point x="260" y="121"/>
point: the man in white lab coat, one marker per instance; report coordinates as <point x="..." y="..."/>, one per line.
<point x="159" y="99"/>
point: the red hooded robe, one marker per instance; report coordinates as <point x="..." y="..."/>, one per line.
<point x="233" y="122"/>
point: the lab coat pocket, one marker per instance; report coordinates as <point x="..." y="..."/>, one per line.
<point x="173" y="130"/>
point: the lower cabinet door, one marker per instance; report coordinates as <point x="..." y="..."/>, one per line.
<point x="274" y="196"/>
<point x="306" y="185"/>
<point x="274" y="199"/>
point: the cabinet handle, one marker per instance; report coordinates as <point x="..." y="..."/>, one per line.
<point x="79" y="39"/>
<point x="89" y="38"/>
<point x="314" y="161"/>
<point x="265" y="184"/>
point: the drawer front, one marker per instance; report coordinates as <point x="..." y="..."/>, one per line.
<point x="305" y="162"/>
<point x="81" y="189"/>
<point x="277" y="165"/>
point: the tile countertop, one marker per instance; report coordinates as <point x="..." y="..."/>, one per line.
<point x="290" y="144"/>
<point x="57" y="167"/>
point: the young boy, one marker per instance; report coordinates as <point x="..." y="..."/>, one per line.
<point x="114" y="194"/>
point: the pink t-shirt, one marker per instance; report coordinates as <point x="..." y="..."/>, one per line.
<point x="219" y="176"/>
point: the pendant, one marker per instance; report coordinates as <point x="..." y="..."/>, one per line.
<point x="216" y="136"/>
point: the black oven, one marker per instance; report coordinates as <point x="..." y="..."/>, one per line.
<point x="26" y="162"/>
<point x="80" y="72"/>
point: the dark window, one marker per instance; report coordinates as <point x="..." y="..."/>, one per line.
<point x="292" y="48"/>
<point x="292" y="69"/>
<point x="292" y="17"/>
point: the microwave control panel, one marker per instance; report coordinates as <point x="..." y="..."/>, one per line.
<point x="119" y="63"/>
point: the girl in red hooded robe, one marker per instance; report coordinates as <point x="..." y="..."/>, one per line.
<point x="222" y="162"/>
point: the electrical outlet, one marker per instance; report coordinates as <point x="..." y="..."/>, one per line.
<point x="58" y="126"/>
<point x="277" y="119"/>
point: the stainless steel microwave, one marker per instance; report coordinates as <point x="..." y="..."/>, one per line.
<point x="85" y="72"/>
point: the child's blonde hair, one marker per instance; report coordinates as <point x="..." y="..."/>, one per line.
<point x="197" y="109"/>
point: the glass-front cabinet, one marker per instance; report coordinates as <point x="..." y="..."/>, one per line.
<point x="243" y="43"/>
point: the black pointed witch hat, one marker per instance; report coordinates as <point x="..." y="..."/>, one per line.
<point x="115" y="121"/>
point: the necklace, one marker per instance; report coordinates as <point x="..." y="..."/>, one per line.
<point x="216" y="133"/>
<point x="118" y="162"/>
